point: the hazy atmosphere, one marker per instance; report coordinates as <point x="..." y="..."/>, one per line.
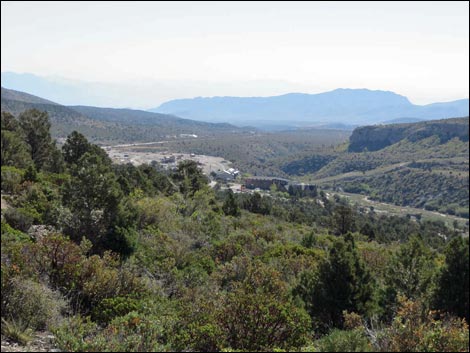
<point x="141" y="54"/>
<point x="235" y="177"/>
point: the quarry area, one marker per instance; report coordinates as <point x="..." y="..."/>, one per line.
<point x="130" y="154"/>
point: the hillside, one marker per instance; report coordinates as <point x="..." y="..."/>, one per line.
<point x="141" y="117"/>
<point x="103" y="257"/>
<point x="63" y="119"/>
<point x="9" y="94"/>
<point x="108" y="126"/>
<point x="422" y="165"/>
<point x="374" y="138"/>
<point x="347" y="106"/>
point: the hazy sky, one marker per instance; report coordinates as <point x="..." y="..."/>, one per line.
<point x="418" y="49"/>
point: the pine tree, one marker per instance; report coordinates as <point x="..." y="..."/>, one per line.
<point x="94" y="196"/>
<point x="14" y="150"/>
<point x="190" y="177"/>
<point x="35" y="126"/>
<point x="230" y="206"/>
<point x="343" y="219"/>
<point x="342" y="283"/>
<point x="452" y="294"/>
<point x="75" y="146"/>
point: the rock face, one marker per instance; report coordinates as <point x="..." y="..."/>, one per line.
<point x="39" y="231"/>
<point x="376" y="137"/>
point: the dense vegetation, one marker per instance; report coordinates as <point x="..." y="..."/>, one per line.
<point x="123" y="258"/>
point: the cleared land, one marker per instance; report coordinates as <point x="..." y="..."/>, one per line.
<point x="138" y="154"/>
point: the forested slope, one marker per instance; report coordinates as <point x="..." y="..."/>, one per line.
<point x="423" y="165"/>
<point x="123" y="258"/>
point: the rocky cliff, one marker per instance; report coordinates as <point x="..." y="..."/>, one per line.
<point x="376" y="137"/>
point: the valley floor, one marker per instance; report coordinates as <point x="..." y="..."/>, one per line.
<point x="382" y="207"/>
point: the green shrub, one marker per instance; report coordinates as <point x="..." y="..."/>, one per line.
<point x="15" y="259"/>
<point x="54" y="178"/>
<point x="31" y="174"/>
<point x="413" y="331"/>
<point x="344" y="341"/>
<point x="32" y="303"/>
<point x="130" y="333"/>
<point x="102" y="278"/>
<point x="11" y="179"/>
<point x="462" y="212"/>
<point x="134" y="333"/>
<point x="11" y="234"/>
<point x="16" y="331"/>
<point x="158" y="212"/>
<point x="110" y="308"/>
<point x="33" y="198"/>
<point x="76" y="334"/>
<point x="19" y="218"/>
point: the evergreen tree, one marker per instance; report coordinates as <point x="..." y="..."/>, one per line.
<point x="230" y="206"/>
<point x="93" y="195"/>
<point x="9" y="122"/>
<point x="342" y="283"/>
<point x="35" y="126"/>
<point x="452" y="294"/>
<point x="343" y="219"/>
<point x="14" y="150"/>
<point x="75" y="147"/>
<point x="257" y="204"/>
<point x="190" y="177"/>
<point x="55" y="162"/>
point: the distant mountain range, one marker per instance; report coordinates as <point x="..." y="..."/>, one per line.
<point x="341" y="106"/>
<point x="107" y="125"/>
<point x="139" y="93"/>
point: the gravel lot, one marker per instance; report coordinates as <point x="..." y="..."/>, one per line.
<point x="128" y="154"/>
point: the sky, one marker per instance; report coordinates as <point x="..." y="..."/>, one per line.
<point x="188" y="49"/>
